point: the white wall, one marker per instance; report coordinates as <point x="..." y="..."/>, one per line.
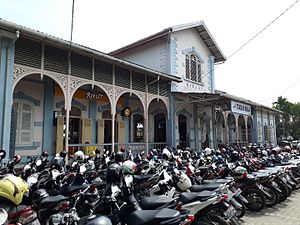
<point x="152" y="55"/>
<point x="183" y="41"/>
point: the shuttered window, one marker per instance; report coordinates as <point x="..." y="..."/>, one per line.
<point x="24" y="117"/>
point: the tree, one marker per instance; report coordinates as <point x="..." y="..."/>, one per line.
<point x="282" y="120"/>
<point x="287" y="123"/>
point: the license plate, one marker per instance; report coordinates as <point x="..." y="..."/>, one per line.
<point x="230" y="212"/>
<point x="34" y="222"/>
<point x="237" y="192"/>
<point x="230" y="194"/>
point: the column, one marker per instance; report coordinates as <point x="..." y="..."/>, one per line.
<point x="48" y="115"/>
<point x="7" y="41"/>
<point x="93" y="117"/>
<point x="196" y="130"/>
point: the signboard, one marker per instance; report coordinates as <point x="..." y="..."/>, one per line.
<point x="240" y="108"/>
<point x="90" y="95"/>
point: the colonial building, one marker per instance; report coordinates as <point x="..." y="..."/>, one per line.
<point x="159" y="91"/>
<point x="200" y="113"/>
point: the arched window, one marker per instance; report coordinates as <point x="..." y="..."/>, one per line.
<point x="193" y="67"/>
<point x="24" y="122"/>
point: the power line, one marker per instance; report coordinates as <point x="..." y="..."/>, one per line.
<point x="258" y="33"/>
<point x="262" y="30"/>
<point x="285" y="90"/>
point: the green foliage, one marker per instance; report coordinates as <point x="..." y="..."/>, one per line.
<point x="287" y="123"/>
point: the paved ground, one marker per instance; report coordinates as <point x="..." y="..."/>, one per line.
<point x="285" y="213"/>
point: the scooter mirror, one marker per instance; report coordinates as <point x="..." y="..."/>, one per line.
<point x="3" y="216"/>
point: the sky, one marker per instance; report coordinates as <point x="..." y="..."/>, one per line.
<point x="267" y="67"/>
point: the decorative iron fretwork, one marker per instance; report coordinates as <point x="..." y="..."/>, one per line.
<point x="19" y="71"/>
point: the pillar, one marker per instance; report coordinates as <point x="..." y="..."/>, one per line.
<point x="7" y="45"/>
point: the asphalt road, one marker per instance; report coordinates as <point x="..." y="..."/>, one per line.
<point x="285" y="213"/>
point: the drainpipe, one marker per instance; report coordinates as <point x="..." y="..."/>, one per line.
<point x="146" y="114"/>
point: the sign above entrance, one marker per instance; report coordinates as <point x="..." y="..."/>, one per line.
<point x="240" y="108"/>
<point x="90" y="95"/>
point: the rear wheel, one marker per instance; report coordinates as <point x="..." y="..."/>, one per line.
<point x="256" y="200"/>
<point x="240" y="211"/>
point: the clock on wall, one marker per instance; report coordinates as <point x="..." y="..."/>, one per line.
<point x="126" y="112"/>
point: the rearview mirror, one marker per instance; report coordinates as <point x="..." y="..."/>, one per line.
<point x="3" y="216"/>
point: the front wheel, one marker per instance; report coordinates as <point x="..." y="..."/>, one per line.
<point x="273" y="198"/>
<point x="256" y="200"/>
<point x="240" y="211"/>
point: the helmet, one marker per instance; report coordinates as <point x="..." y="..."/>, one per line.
<point x="57" y="162"/>
<point x="97" y="220"/>
<point x="166" y="154"/>
<point x="13" y="188"/>
<point x="119" y="156"/>
<point x="114" y="173"/>
<point x="218" y="152"/>
<point x="45" y="153"/>
<point x="38" y="195"/>
<point x="129" y="167"/>
<point x="2" y="154"/>
<point x="264" y="153"/>
<point x="287" y="148"/>
<point x="239" y="172"/>
<point x="207" y="151"/>
<point x="98" y="151"/>
<point x="63" y="154"/>
<point x="154" y="151"/>
<point x="17" y="159"/>
<point x="79" y="155"/>
<point x="184" y="182"/>
<point x="235" y="153"/>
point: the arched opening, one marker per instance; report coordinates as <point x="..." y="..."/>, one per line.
<point x="130" y="111"/>
<point x="86" y="121"/>
<point x="183" y="133"/>
<point x="74" y="124"/>
<point x="231" y="129"/>
<point x="220" y="128"/>
<point x="35" y="115"/>
<point x="242" y="130"/>
<point x="250" y="130"/>
<point x="160" y="127"/>
<point x="157" y="121"/>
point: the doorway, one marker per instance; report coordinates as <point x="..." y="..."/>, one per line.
<point x="183" y="134"/>
<point x="160" y="127"/>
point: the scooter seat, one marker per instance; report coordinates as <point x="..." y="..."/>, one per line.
<point x="141" y="178"/>
<point x="205" y="187"/>
<point x="187" y="197"/>
<point x="71" y="189"/>
<point x="260" y="174"/>
<point x="51" y="201"/>
<point x="218" y="181"/>
<point x="149" y="217"/>
<point x="154" y="202"/>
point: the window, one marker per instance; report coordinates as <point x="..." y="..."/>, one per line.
<point x="193" y="67"/>
<point x="24" y="123"/>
